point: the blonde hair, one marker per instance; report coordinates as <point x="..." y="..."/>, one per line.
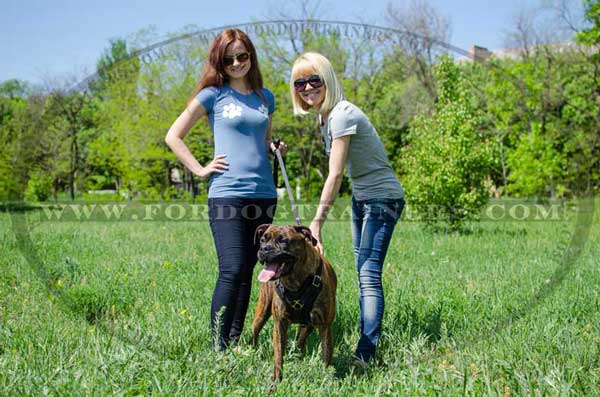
<point x="315" y="63"/>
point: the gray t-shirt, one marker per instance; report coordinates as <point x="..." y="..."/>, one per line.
<point x="368" y="166"/>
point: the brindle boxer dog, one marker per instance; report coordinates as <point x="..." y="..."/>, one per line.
<point x="297" y="286"/>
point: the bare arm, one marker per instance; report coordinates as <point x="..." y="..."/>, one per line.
<point x="337" y="159"/>
<point x="174" y="139"/>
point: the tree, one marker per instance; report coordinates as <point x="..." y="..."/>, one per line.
<point x="22" y="137"/>
<point x="584" y="97"/>
<point x="446" y="161"/>
<point x="536" y="167"/>
<point x="114" y="64"/>
<point x="116" y="87"/>
<point x="425" y="29"/>
<point x="74" y="116"/>
<point x="10" y="108"/>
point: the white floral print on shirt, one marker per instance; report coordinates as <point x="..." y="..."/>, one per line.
<point x="232" y="111"/>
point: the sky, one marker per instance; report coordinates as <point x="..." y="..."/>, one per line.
<point x="53" y="39"/>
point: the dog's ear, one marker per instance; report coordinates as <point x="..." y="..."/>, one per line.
<point x="260" y="231"/>
<point x="306" y="233"/>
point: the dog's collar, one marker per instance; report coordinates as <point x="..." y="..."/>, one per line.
<point x="301" y="302"/>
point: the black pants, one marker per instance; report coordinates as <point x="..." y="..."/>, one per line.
<point x="233" y="222"/>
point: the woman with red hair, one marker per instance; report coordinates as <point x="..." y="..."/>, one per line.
<point x="241" y="193"/>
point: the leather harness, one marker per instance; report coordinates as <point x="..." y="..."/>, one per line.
<point x="301" y="302"/>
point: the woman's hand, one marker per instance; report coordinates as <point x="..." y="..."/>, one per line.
<point x="315" y="229"/>
<point x="217" y="165"/>
<point x="282" y="148"/>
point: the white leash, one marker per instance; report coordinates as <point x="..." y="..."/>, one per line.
<point x="287" y="182"/>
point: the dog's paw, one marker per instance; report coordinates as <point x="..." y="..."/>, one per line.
<point x="273" y="387"/>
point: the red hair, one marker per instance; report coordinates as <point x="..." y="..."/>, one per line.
<point x="213" y="71"/>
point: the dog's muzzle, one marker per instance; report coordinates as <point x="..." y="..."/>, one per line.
<point x="277" y="264"/>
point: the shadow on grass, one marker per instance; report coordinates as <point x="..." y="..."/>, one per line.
<point x="499" y="231"/>
<point x="478" y="229"/>
<point x="428" y="324"/>
<point x="410" y="324"/>
<point x="17" y="207"/>
<point x="440" y="228"/>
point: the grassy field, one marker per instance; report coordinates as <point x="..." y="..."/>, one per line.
<point x="122" y="308"/>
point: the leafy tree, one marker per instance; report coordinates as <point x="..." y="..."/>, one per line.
<point x="583" y="104"/>
<point x="8" y="141"/>
<point x="536" y="167"/>
<point x="591" y="35"/>
<point x="114" y="64"/>
<point x="14" y="88"/>
<point x="73" y="118"/>
<point x="109" y="149"/>
<point x="446" y="161"/>
<point x="22" y="137"/>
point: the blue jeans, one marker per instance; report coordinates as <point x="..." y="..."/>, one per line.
<point x="373" y="223"/>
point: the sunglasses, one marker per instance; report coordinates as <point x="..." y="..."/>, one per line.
<point x="242" y="57"/>
<point x="314" y="81"/>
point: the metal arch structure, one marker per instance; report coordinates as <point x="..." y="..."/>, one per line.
<point x="289" y="28"/>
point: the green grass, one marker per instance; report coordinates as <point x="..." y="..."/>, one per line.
<point x="122" y="308"/>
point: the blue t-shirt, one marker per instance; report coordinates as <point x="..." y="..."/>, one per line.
<point x="239" y="123"/>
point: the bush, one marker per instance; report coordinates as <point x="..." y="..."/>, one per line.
<point x="446" y="160"/>
<point x="39" y="186"/>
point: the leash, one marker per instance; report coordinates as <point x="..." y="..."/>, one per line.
<point x="276" y="142"/>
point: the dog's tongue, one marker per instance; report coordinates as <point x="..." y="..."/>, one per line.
<point x="267" y="273"/>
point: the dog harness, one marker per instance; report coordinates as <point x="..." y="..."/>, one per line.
<point x="302" y="301"/>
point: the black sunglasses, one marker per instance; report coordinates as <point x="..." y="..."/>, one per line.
<point x="315" y="81"/>
<point x="241" y="58"/>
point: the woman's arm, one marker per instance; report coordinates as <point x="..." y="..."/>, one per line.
<point x="174" y="139"/>
<point x="337" y="159"/>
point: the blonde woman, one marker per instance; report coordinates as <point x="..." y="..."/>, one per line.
<point x="351" y="141"/>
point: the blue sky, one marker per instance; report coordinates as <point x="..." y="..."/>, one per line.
<point x="43" y="39"/>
